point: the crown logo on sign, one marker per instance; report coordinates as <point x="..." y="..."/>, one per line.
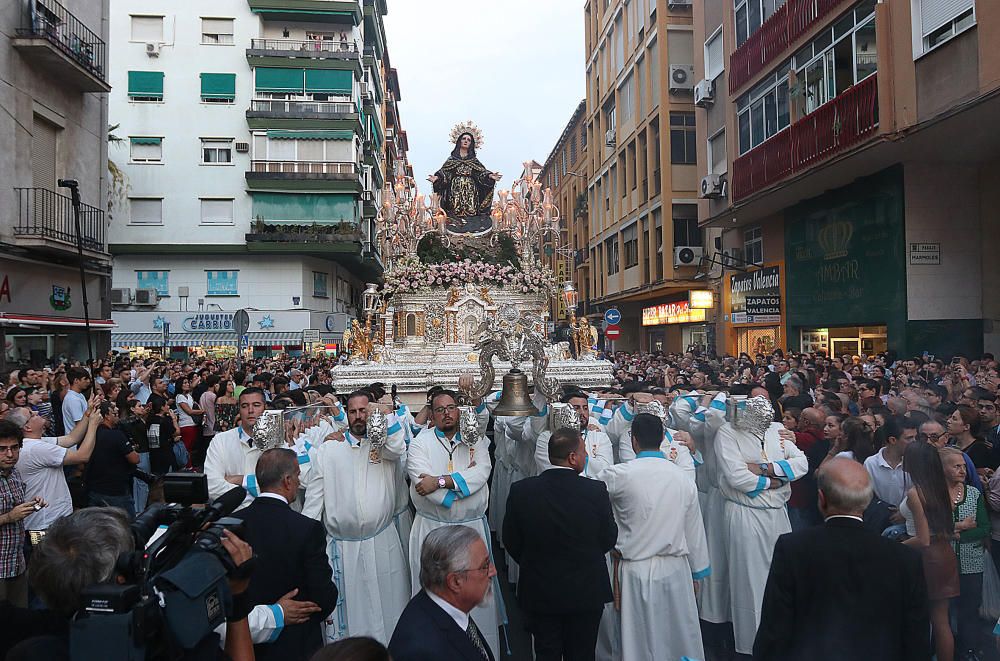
<point x="470" y="128"/>
<point x="835" y="238"/>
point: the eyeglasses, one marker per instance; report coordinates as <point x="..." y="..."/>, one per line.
<point x="451" y="408"/>
<point x="930" y="437"/>
<point x="486" y="567"/>
<point x="9" y="449"/>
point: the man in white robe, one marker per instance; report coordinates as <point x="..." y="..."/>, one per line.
<point x="599" y="452"/>
<point x="660" y="555"/>
<point x="448" y="485"/>
<point x="352" y="489"/>
<point x="676" y="445"/>
<point x="756" y="464"/>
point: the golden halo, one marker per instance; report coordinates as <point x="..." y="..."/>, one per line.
<point x="467" y="127"/>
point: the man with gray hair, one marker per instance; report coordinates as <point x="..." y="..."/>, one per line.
<point x="455" y="574"/>
<point x="841" y="591"/>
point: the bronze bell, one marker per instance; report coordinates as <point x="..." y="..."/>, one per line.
<point x="514" y="398"/>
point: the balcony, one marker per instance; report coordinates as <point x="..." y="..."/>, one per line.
<point x="343" y="242"/>
<point x="774" y="37"/>
<point x="58" y="41"/>
<point x="313" y="50"/>
<point x="45" y="221"/>
<point x="834" y="127"/>
<point x="579" y="258"/>
<point x="278" y="109"/>
<point x="304" y="175"/>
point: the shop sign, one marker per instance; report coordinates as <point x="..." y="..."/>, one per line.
<point x="755" y="297"/>
<point x="679" y="312"/>
<point x="44" y="290"/>
<point x="925" y="254"/>
<point x="701" y="299"/>
<point x="205" y="322"/>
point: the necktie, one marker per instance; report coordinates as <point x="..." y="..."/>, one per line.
<point x="477" y="641"/>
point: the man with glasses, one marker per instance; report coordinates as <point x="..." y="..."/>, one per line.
<point x="14" y="508"/>
<point x="449" y="478"/>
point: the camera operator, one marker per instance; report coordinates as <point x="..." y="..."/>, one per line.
<point x="83" y="549"/>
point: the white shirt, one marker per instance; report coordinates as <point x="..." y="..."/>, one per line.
<point x="74" y="405"/>
<point x="844" y="516"/>
<point x="41" y="467"/>
<point x="276" y="496"/>
<point x="231" y="453"/>
<point x="461" y="619"/>
<point x="183" y="419"/>
<point x="888" y="483"/>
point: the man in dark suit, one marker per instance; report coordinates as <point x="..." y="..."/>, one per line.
<point x="455" y="574"/>
<point x="293" y="588"/>
<point x="558" y="527"/>
<point x="840" y="591"/>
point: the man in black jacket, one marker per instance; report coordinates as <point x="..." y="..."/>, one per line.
<point x="293" y="589"/>
<point x="840" y="591"/>
<point x="558" y="527"/>
<point x="455" y="574"/>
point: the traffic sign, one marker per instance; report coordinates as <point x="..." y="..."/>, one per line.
<point x="612" y="317"/>
<point x="613" y="332"/>
<point x="241" y="322"/>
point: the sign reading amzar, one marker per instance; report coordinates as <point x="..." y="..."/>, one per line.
<point x="679" y="312"/>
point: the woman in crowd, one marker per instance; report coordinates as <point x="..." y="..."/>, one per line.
<point x="17" y="396"/>
<point x="188" y="413"/>
<point x="226" y="406"/>
<point x="855" y="440"/>
<point x="927" y="510"/>
<point x="972" y="528"/>
<point x="963" y="428"/>
<point x="790" y="418"/>
<point x="162" y="432"/>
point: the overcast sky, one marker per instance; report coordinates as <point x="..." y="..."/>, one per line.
<point x="515" y="67"/>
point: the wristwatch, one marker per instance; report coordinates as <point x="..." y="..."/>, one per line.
<point x="442" y="483"/>
<point x="763" y="468"/>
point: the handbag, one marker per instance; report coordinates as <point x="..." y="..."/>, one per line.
<point x="181" y="454"/>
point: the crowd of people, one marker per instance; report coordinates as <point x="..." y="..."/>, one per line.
<point x="645" y="520"/>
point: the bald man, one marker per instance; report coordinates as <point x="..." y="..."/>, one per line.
<point x="802" y="510"/>
<point x="840" y="591"/>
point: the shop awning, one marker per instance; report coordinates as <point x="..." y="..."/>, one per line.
<point x="259" y="339"/>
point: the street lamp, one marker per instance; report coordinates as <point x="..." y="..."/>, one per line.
<point x="74" y="190"/>
<point x="571" y="297"/>
<point x="369" y="299"/>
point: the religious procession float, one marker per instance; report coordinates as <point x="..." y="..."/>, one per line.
<point x="464" y="291"/>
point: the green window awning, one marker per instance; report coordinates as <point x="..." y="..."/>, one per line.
<point x="271" y="79"/>
<point x="218" y="85"/>
<point x="305" y="207"/>
<point x="329" y="81"/>
<point x="145" y="84"/>
<point x="146" y="141"/>
<point x="277" y="134"/>
<point x="376" y="134"/>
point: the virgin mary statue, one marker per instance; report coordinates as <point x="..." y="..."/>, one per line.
<point x="464" y="184"/>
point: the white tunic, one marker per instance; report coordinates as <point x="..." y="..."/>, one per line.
<point x="663" y="550"/>
<point x="754" y="515"/>
<point x="465" y="505"/>
<point x="231" y="452"/>
<point x="356" y="501"/>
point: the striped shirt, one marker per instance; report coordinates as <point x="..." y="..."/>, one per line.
<point x="12" y="534"/>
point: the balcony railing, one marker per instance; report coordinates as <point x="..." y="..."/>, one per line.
<point x="45" y="214"/>
<point x="298" y="107"/>
<point x="774" y="37"/>
<point x="49" y="20"/>
<point x="309" y="48"/>
<point x="303" y="167"/>
<point x="830" y="129"/>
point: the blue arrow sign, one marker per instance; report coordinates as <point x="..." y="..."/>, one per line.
<point x="612" y="317"/>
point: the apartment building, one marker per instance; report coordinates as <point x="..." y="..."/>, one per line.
<point x="257" y="138"/>
<point x="645" y="243"/>
<point x="564" y="172"/>
<point x="54" y="128"/>
<point x="846" y="151"/>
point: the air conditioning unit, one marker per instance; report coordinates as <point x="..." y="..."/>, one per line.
<point x="681" y="77"/>
<point x="242" y="147"/>
<point x="153" y="49"/>
<point x="704" y="95"/>
<point x="146" y="297"/>
<point x="688" y="255"/>
<point x="184" y="291"/>
<point x="609" y="137"/>
<point x="713" y="186"/>
<point x="678" y="4"/>
<point x="121" y="296"/>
